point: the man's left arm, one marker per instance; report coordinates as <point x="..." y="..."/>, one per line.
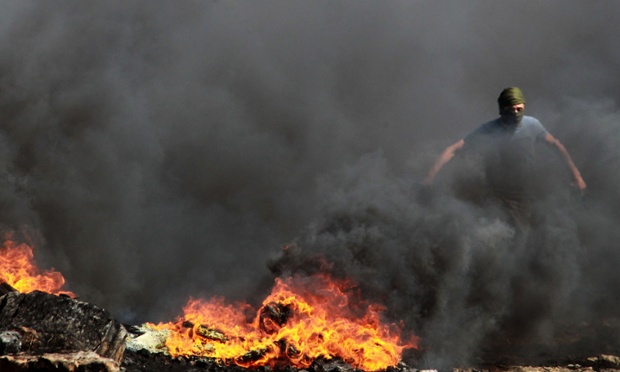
<point x="579" y="182"/>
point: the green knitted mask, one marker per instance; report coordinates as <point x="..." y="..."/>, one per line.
<point x="511" y="117"/>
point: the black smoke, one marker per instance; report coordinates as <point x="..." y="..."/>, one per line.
<point x="155" y="150"/>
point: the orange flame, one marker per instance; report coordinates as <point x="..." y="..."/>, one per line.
<point x="300" y="321"/>
<point x="17" y="269"/>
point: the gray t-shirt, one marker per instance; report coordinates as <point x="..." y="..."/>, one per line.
<point x="529" y="128"/>
<point x="508" y="153"/>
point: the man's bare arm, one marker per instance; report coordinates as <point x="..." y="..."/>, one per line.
<point x="579" y="182"/>
<point x="442" y="160"/>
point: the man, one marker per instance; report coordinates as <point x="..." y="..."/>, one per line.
<point x="507" y="146"/>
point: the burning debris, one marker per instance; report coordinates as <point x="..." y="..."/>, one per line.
<point x="301" y="321"/>
<point x="273" y="316"/>
<point x="211" y="334"/>
<point x="309" y="324"/>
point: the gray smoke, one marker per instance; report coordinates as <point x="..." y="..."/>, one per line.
<point x="155" y="151"/>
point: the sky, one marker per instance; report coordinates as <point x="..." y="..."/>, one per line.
<point x="153" y="151"/>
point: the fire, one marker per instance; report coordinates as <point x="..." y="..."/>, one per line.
<point x="18" y="269"/>
<point x="300" y="321"/>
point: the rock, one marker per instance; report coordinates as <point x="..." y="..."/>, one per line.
<point x="148" y="339"/>
<point x="56" y="324"/>
<point x="10" y="342"/>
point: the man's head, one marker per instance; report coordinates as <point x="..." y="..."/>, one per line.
<point x="511" y="105"/>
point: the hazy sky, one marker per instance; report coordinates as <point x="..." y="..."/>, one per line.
<point x="156" y="150"/>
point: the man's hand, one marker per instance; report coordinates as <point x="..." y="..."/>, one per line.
<point x="580" y="184"/>
<point x="427" y="181"/>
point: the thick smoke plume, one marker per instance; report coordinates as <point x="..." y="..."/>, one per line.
<point x="154" y="151"/>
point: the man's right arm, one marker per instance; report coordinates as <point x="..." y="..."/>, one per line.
<point x="442" y="160"/>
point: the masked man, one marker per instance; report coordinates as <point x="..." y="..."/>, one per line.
<point x="507" y="145"/>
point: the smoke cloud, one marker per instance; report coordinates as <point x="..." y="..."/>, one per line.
<point x="156" y="151"/>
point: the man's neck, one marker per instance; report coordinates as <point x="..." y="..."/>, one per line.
<point x="509" y="124"/>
